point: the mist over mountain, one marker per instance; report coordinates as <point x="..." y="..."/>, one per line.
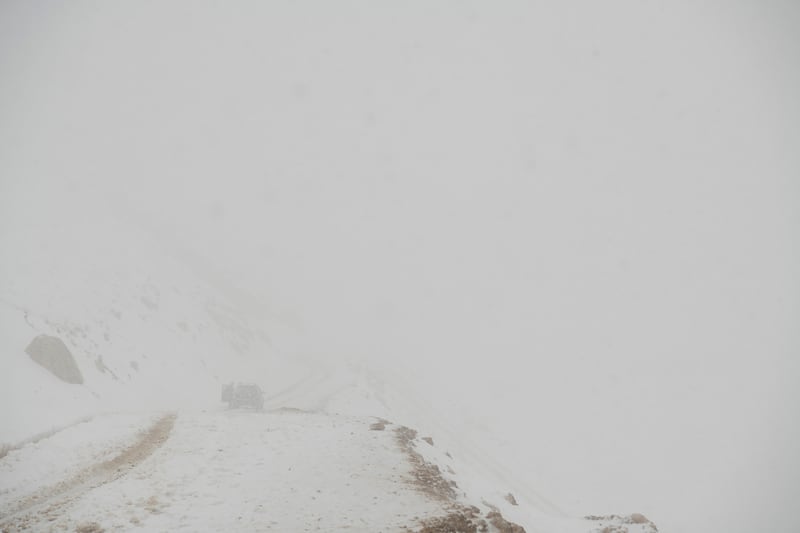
<point x="560" y="239"/>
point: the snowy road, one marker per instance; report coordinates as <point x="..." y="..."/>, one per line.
<point x="234" y="470"/>
<point x="40" y="500"/>
<point x="311" y="462"/>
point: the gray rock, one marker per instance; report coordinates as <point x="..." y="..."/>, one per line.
<point x="53" y="354"/>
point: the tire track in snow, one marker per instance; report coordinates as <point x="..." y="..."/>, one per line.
<point x="46" y="504"/>
<point x="294" y="390"/>
<point x="6" y="447"/>
<point x="311" y="393"/>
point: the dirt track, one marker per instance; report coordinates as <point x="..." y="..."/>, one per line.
<point x="48" y="501"/>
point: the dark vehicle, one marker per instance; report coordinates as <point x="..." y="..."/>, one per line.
<point x="243" y="395"/>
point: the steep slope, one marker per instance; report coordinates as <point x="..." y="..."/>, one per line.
<point x="451" y="465"/>
<point x="144" y="329"/>
<point x="149" y="330"/>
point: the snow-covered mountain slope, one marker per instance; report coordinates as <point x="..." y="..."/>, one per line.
<point x="143" y="328"/>
<point x="151" y="331"/>
<point x="471" y="463"/>
<point x="283" y="470"/>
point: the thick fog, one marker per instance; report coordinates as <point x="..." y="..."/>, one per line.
<point x="567" y="231"/>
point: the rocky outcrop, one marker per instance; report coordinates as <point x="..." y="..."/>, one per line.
<point x="53" y="354"/>
<point x="634" y="523"/>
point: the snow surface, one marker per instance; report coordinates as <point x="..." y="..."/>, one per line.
<point x="243" y="470"/>
<point x="557" y="238"/>
<point x="38" y="465"/>
<point x="146" y="330"/>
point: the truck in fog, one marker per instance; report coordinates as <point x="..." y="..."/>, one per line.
<point x="243" y="395"/>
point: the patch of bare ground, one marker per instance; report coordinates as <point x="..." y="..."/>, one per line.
<point x="153" y="505"/>
<point x="511" y="499"/>
<point x="47" y="503"/>
<point x="453" y="523"/>
<point x="380" y="425"/>
<point x="428" y="478"/>
<point x="90" y="527"/>
<point x="502" y="525"/>
<point x="618" y="523"/>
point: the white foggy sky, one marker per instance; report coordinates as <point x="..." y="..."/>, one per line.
<point x="571" y="192"/>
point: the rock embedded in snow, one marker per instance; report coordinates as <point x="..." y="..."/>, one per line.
<point x="634" y="523"/>
<point x="53" y="354"/>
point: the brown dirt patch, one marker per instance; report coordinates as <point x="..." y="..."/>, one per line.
<point x="502" y="525"/>
<point x="91" y="527"/>
<point x="380" y="425"/>
<point x="428" y="478"/>
<point x="453" y="523"/>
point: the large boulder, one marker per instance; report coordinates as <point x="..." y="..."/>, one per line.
<point x="53" y="354"/>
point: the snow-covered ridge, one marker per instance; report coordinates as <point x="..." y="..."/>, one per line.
<point x="150" y="331"/>
<point x="144" y="327"/>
